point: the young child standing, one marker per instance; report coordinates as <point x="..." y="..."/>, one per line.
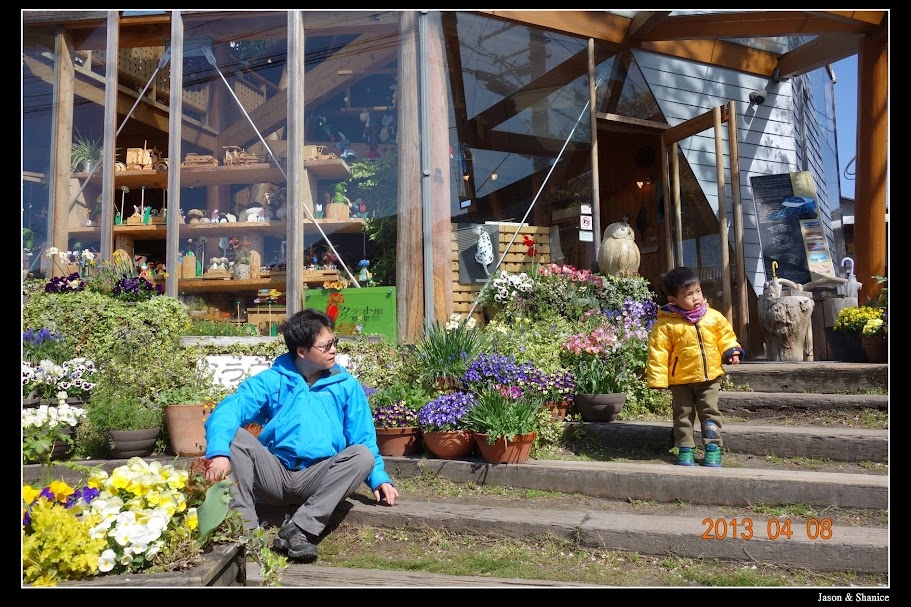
<point x="687" y="345"/>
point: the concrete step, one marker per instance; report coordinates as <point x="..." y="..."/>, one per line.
<point x="857" y="549"/>
<point x="662" y="483"/>
<point x="311" y="575"/>
<point x="827" y="377"/>
<point x="825" y="442"/>
<point x="772" y="403"/>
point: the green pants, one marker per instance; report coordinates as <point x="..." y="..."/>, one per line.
<point x="691" y="400"/>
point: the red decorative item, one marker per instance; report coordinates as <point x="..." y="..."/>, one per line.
<point x="529" y="242"/>
<point x="332" y="305"/>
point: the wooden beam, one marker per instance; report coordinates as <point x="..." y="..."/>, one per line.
<point x="358" y="56"/>
<point x="635" y="122"/>
<point x="871" y="17"/>
<point x="696" y="37"/>
<point x="539" y="88"/>
<point x="600" y="25"/>
<point x="752" y="24"/>
<point x="691" y="127"/>
<point x="147" y="112"/>
<point x="717" y="52"/>
<point x="818" y="53"/>
<point x="643" y="23"/>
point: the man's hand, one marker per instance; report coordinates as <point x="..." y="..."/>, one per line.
<point x="386" y="492"/>
<point x="218" y="468"/>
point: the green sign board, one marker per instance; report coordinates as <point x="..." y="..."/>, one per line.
<point x="365" y="311"/>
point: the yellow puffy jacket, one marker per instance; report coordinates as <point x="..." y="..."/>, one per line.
<point x="680" y="352"/>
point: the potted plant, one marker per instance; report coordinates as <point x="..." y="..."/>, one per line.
<point x="494" y="370"/>
<point x="557" y="390"/>
<point x="845" y="337"/>
<point x="128" y="422"/>
<point x="504" y="420"/>
<point x="395" y="416"/>
<point x="86" y="152"/>
<point x="444" y="351"/>
<point x="104" y="525"/>
<point x="442" y="425"/>
<point x="46" y="381"/>
<point x="241" y="252"/>
<point x="607" y="357"/>
<point x="186" y="409"/>
<point x="47" y="431"/>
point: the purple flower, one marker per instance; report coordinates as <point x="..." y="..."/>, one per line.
<point x="445" y="412"/>
<point x="66" y="284"/>
<point x="497" y="369"/>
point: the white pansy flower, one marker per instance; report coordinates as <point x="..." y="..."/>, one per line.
<point x="106" y="561"/>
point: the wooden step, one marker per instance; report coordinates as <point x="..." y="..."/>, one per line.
<point x="827" y="377"/>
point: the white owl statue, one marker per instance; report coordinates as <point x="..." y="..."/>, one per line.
<point x="619" y="254"/>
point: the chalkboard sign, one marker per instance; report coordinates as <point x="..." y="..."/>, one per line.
<point x="790" y="229"/>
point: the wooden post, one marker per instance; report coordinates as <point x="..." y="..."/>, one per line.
<point x="722" y="218"/>
<point x="872" y="163"/>
<point x="742" y="309"/>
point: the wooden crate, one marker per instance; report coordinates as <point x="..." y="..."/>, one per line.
<point x="216" y="274"/>
<point x="321" y="276"/>
<point x="188" y="266"/>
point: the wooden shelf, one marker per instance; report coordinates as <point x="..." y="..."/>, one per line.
<point x="192" y="177"/>
<point x="203" y="285"/>
<point x="207" y="285"/>
<point x="188" y="230"/>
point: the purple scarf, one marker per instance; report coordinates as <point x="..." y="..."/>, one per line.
<point x="693" y="316"/>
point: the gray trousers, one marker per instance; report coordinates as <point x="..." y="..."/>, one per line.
<point x="261" y="478"/>
<point x="689" y="400"/>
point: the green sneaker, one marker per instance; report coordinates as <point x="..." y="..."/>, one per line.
<point x="685" y="457"/>
<point x="712" y="456"/>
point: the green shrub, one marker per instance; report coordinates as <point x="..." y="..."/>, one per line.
<point x="93" y="324"/>
<point x="219" y="328"/>
<point x="375" y="362"/>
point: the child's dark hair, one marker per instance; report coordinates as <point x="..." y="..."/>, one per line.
<point x="678" y="278"/>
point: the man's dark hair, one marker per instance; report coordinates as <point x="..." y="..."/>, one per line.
<point x="678" y="278"/>
<point x="304" y="327"/>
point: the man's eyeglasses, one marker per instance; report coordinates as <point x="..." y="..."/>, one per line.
<point x="325" y="348"/>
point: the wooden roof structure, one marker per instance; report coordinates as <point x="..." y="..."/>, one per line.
<point x="777" y="45"/>
<point x="774" y="44"/>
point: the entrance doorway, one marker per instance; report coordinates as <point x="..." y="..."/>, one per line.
<point x="630" y="188"/>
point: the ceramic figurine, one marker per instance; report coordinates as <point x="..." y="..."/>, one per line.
<point x="484" y="255"/>
<point x="619" y="254"/>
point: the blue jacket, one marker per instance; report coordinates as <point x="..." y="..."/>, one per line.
<point x="301" y="424"/>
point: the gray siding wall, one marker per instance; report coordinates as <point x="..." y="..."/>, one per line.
<point x="769" y="136"/>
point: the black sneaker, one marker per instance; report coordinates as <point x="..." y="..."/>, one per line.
<point x="298" y="545"/>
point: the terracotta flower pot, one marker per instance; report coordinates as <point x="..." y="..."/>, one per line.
<point x="876" y="348"/>
<point x="449" y="444"/>
<point x="396" y="442"/>
<point x="600" y="407"/>
<point x="186" y="429"/>
<point x="515" y="451"/>
<point x="558" y="409"/>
